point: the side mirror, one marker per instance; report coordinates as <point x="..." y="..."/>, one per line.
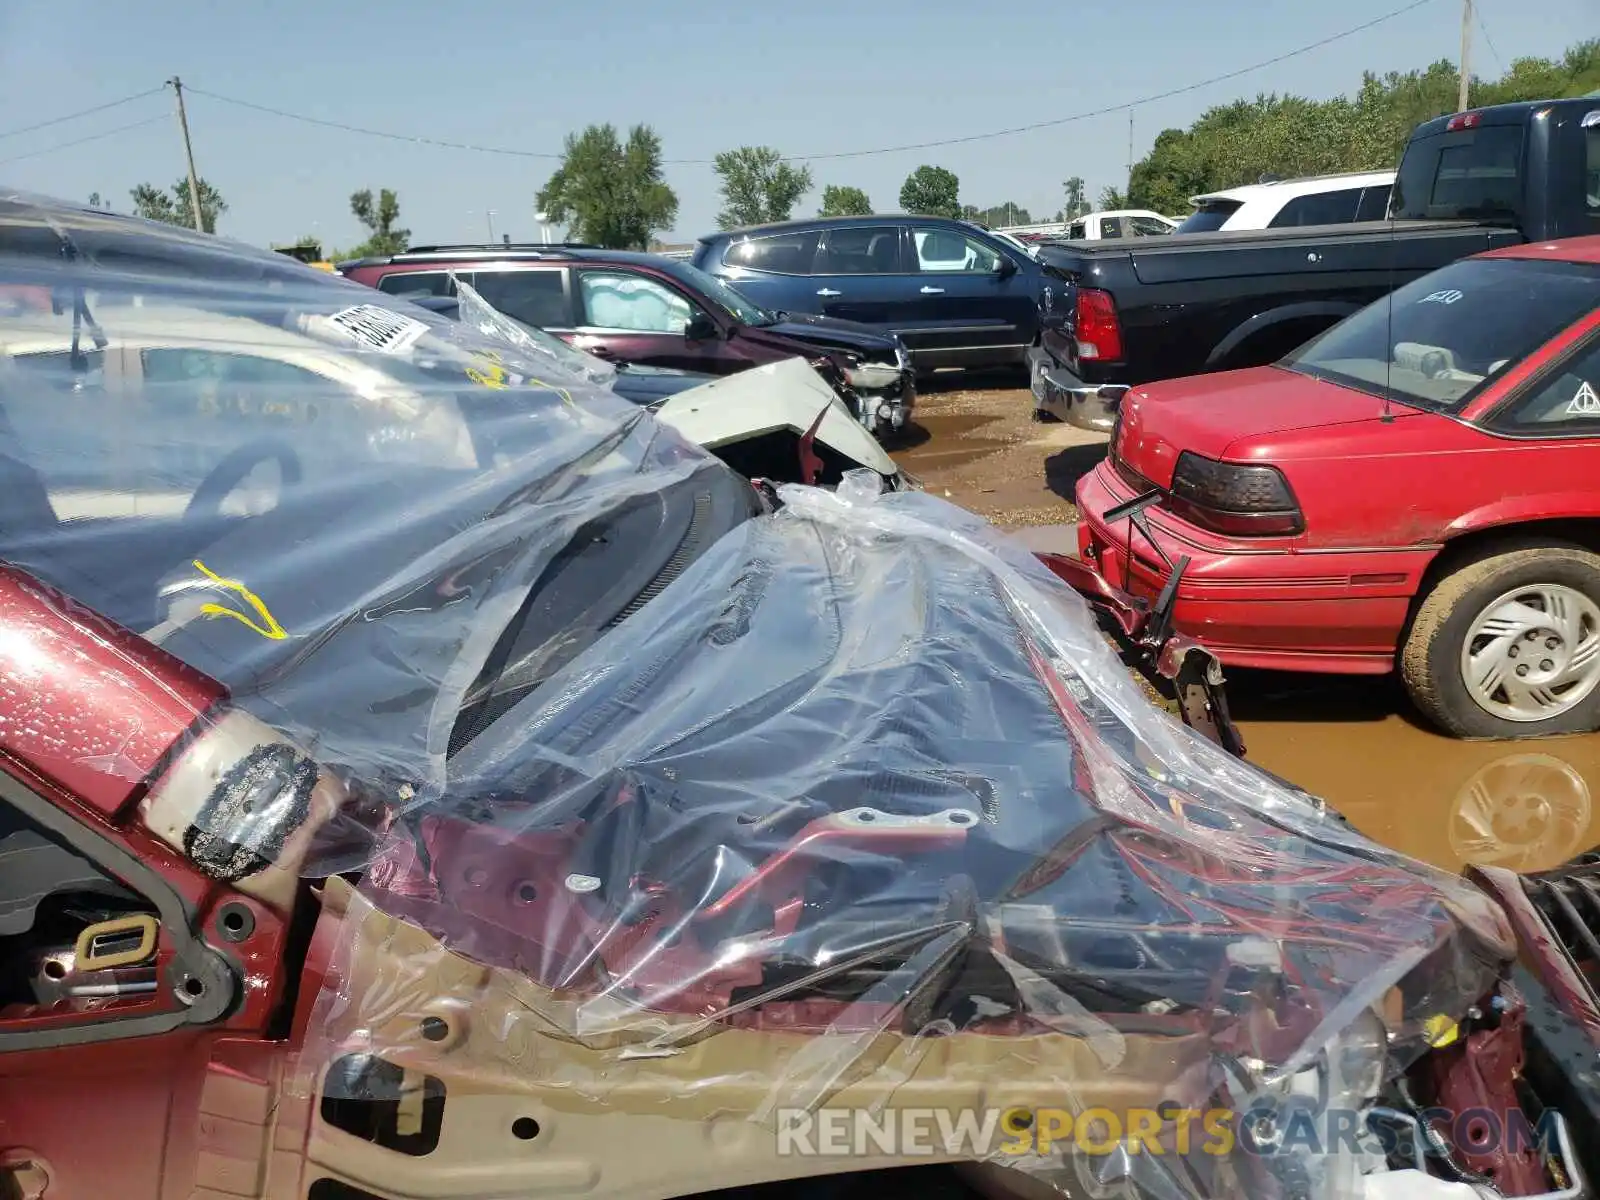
<point x="1005" y="268"/>
<point x="700" y="328"/>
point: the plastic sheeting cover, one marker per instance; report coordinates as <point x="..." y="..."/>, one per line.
<point x="668" y="807"/>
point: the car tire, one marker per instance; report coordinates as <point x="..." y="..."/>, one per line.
<point x="1432" y="662"/>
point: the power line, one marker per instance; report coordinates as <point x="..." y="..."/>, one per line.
<point x="82" y="113"/>
<point x="380" y="133"/>
<point x="1141" y="102"/>
<point x="1487" y="40"/>
<point x="928" y="145"/>
<point x="93" y="137"/>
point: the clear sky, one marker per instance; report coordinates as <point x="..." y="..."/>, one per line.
<point x="809" y="78"/>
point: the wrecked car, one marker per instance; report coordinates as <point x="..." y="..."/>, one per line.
<point x="506" y="798"/>
<point x="655" y="311"/>
<point x="782" y="422"/>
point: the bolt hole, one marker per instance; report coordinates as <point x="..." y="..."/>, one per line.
<point x="233" y="921"/>
<point x="55" y="969"/>
<point x="194" y="988"/>
<point x="435" y="1029"/>
<point x="525" y="1129"/>
<point x="527" y="893"/>
<point x="867" y="816"/>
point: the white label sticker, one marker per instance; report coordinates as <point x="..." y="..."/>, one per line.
<point x="1586" y="403"/>
<point x="1446" y="297"/>
<point x="379" y="329"/>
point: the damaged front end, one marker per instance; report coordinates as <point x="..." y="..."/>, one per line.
<point x="505" y="804"/>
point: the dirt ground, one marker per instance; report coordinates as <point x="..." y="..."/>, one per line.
<point x="981" y="448"/>
<point x="1523" y="805"/>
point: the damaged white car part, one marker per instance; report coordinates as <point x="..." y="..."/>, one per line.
<point x="755" y="420"/>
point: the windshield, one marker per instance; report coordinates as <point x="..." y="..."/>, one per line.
<point x="232" y="454"/>
<point x="1436" y="341"/>
<point x="1209" y="217"/>
<point x="1467" y="174"/>
<point x="720" y="294"/>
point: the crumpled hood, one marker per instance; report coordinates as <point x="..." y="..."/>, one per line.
<point x="831" y="333"/>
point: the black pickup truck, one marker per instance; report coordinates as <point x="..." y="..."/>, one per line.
<point x="1126" y="313"/>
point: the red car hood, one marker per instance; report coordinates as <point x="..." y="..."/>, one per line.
<point x="1211" y="413"/>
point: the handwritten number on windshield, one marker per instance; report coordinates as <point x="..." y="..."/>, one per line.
<point x="268" y="628"/>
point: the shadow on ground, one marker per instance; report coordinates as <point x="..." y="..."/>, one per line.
<point x="977" y="380"/>
<point x="1063" y="469"/>
<point x="1283" y="697"/>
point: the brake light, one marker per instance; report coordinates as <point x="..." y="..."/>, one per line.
<point x="1463" y="121"/>
<point x="1245" y="500"/>
<point x="1098" y="332"/>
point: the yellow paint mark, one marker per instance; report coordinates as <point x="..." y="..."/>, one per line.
<point x="494" y="375"/>
<point x="1440" y="1030"/>
<point x="270" y="629"/>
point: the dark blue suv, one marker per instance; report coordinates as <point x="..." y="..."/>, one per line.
<point x="956" y="295"/>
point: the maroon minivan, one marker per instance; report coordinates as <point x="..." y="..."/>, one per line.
<point x="643" y="308"/>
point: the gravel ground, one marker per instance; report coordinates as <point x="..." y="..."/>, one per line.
<point x="981" y="448"/>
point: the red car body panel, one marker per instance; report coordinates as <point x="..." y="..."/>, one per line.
<point x="1383" y="488"/>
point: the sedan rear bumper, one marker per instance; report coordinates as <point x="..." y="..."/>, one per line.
<point x="1144" y="631"/>
<point x="1337" y="612"/>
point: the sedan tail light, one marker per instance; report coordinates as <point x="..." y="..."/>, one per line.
<point x="1245" y="500"/>
<point x="1098" y="330"/>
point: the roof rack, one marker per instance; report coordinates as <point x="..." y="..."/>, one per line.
<point x="491" y="247"/>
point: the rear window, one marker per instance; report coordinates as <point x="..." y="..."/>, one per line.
<point x="416" y="283"/>
<point x="789" y="253"/>
<point x="1470" y="174"/>
<point x="535" y="297"/>
<point x="1374" y="204"/>
<point x="1319" y="208"/>
<point x="1209" y="217"/>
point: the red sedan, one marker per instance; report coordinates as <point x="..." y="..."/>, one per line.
<point x="1418" y="487"/>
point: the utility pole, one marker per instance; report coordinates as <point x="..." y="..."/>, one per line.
<point x="188" y="153"/>
<point x="1127" y="194"/>
<point x="1466" y="54"/>
<point x="489" y="215"/>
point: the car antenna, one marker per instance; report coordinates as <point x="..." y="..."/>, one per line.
<point x="1386" y="413"/>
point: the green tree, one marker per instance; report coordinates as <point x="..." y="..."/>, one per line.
<point x="610" y="193"/>
<point x="1111" y="198"/>
<point x="931" y="191"/>
<point x="96" y="201"/>
<point x="840" y="201"/>
<point x="998" y="216"/>
<point x="1076" y="203"/>
<point x="173" y="207"/>
<point x="380" y="216"/>
<point x="758" y="187"/>
<point x="1290" y="136"/>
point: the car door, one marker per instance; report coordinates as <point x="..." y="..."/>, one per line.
<point x="105" y="1061"/>
<point x="862" y="274"/>
<point x="631" y="316"/>
<point x="975" y="303"/>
